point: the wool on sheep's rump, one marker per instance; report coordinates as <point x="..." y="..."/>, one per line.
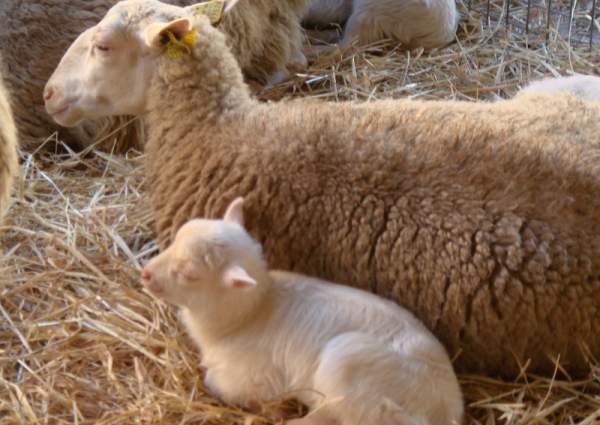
<point x="80" y="342"/>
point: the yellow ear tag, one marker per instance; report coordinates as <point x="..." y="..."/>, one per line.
<point x="213" y="9"/>
<point x="177" y="48"/>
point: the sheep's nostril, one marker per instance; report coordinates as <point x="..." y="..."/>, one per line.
<point x="48" y="93"/>
<point x="146" y="276"/>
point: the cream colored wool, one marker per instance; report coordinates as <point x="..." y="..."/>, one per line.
<point x="264" y="34"/>
<point x="479" y="218"/>
<point x="585" y="86"/>
<point x="8" y="148"/>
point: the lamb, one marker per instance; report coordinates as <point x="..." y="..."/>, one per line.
<point x="585" y="86"/>
<point x="414" y="23"/>
<point x="8" y="148"/>
<point x="265" y="35"/>
<point x="480" y="218"/>
<point x="364" y="359"/>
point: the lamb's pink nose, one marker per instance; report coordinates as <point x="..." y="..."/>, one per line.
<point x="48" y="93"/>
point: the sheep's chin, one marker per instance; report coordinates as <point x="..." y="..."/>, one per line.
<point x="69" y="117"/>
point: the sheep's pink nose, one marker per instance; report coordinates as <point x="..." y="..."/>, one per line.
<point x="48" y="93"/>
<point x="146" y="276"/>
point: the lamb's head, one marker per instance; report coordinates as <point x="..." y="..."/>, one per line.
<point x="210" y="262"/>
<point x="108" y="68"/>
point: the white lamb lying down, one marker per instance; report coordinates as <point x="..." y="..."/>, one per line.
<point x="359" y="358"/>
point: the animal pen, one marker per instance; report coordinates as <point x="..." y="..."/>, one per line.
<point x="81" y="343"/>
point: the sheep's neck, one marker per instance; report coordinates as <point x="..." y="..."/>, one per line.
<point x="197" y="87"/>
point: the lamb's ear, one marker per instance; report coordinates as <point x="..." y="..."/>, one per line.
<point x="236" y="277"/>
<point x="235" y="211"/>
<point x="155" y="34"/>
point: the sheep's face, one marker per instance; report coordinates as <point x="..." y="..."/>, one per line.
<point x="206" y="264"/>
<point x="108" y="69"/>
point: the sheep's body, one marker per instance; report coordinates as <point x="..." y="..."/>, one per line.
<point x="479" y="218"/>
<point x="414" y="23"/>
<point x="264" y="34"/>
<point x="354" y="357"/>
<point x="585" y="86"/>
<point x="8" y="148"/>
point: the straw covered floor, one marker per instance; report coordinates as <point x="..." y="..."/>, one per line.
<point x="81" y="343"/>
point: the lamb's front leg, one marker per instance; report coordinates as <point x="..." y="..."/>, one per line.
<point x="232" y="388"/>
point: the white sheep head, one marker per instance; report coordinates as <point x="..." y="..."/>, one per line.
<point x="109" y="67"/>
<point x="209" y="264"/>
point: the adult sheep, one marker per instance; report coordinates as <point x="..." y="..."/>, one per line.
<point x="8" y="148"/>
<point x="414" y="23"/>
<point x="265" y="36"/>
<point x="480" y="218"/>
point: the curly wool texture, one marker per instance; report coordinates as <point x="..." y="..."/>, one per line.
<point x="35" y="34"/>
<point x="8" y="148"/>
<point x="479" y="218"/>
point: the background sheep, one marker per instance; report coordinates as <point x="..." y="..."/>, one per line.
<point x="265" y="35"/>
<point x="414" y="23"/>
<point x="351" y="357"/>
<point x="475" y="216"/>
<point x="8" y="147"/>
<point x="585" y="86"/>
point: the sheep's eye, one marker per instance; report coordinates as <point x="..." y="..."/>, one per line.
<point x="102" y="47"/>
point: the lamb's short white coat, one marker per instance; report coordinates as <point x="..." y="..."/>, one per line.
<point x="359" y="358"/>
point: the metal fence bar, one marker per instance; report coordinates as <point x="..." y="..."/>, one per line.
<point x="528" y="15"/>
<point x="571" y="13"/>
<point x="548" y="15"/>
<point x="592" y="24"/>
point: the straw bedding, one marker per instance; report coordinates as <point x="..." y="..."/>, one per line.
<point x="81" y="343"/>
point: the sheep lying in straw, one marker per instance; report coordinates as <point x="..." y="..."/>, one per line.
<point x="480" y="218"/>
<point x="8" y="148"/>
<point x="414" y="23"/>
<point x="265" y="36"/>
<point x="585" y="86"/>
<point x="355" y="358"/>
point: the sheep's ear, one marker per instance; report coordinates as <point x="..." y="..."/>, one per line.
<point x="155" y="33"/>
<point x="235" y="212"/>
<point x="229" y="4"/>
<point x="214" y="9"/>
<point x="236" y="277"/>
